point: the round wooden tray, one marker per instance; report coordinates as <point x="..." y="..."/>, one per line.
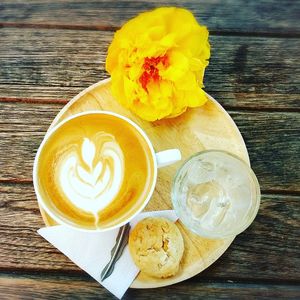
<point x="207" y="127"/>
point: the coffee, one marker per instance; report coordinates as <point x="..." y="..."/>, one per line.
<point x="95" y="171"/>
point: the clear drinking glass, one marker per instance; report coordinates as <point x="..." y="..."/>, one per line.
<point x="215" y="194"/>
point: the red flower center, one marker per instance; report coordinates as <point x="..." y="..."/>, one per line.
<point x="151" y="72"/>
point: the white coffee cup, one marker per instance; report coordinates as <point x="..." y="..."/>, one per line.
<point x="160" y="159"/>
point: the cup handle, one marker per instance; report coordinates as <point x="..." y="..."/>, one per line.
<point x="167" y="157"/>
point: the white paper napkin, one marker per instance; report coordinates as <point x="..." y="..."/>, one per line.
<point x="91" y="251"/>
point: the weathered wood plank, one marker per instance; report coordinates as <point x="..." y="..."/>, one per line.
<point x="267" y="250"/>
<point x="77" y="287"/>
<point x="248" y="72"/>
<point x="18" y="141"/>
<point x="272" y="139"/>
<point x="266" y="16"/>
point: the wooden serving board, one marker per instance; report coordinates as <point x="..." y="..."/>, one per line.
<point x="206" y="127"/>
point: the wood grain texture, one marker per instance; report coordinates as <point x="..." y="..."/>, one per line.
<point x="254" y="68"/>
<point x="272" y="139"/>
<point x="13" y="286"/>
<point x="266" y="16"/>
<point x="198" y="129"/>
<point x="268" y="249"/>
<point x="54" y="65"/>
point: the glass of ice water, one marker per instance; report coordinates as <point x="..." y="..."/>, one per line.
<point x="215" y="194"/>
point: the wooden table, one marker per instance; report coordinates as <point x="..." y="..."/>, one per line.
<point x="51" y="50"/>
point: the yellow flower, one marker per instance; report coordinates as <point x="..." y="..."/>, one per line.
<point x="157" y="62"/>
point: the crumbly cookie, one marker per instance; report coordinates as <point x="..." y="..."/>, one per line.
<point x="156" y="246"/>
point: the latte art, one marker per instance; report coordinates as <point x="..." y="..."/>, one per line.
<point x="94" y="171"/>
<point x="91" y="178"/>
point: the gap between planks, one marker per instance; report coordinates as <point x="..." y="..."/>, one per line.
<point x="270" y="192"/>
<point x="79" y="274"/>
<point x="100" y="27"/>
<point x="227" y="107"/>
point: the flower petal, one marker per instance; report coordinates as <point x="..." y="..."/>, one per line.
<point x="157" y="62"/>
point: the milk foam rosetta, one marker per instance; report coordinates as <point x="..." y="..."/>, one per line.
<point x="91" y="175"/>
<point x="94" y="171"/>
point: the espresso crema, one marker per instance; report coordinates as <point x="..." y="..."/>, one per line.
<point x="95" y="170"/>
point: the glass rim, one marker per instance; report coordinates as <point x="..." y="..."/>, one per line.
<point x="257" y="193"/>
